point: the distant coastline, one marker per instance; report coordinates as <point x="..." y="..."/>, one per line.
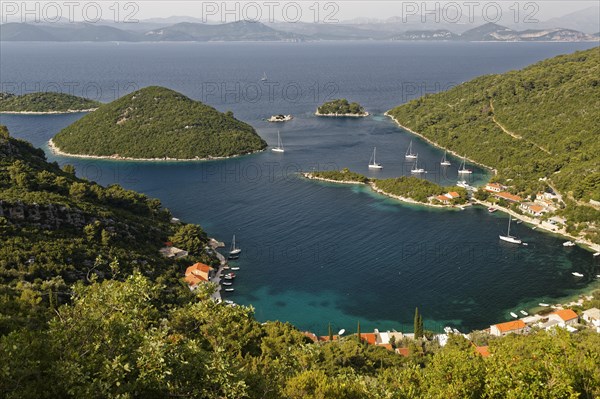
<point x="57" y="151"/>
<point x="69" y="111"/>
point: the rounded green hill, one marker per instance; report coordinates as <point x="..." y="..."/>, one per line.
<point x="158" y="123"/>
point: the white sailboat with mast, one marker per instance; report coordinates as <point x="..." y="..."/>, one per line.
<point x="409" y="152"/>
<point x="463" y="169"/>
<point x="508" y="237"/>
<point x="445" y="161"/>
<point x="372" y="162"/>
<point x="279" y="147"/>
<point x="416" y="168"/>
<point x="264" y="77"/>
<point x="234" y="251"/>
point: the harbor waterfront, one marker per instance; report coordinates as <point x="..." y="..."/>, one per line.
<point x="320" y="253"/>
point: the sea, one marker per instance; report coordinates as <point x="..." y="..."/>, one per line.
<point x="317" y="253"/>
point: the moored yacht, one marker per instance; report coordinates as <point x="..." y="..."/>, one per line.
<point x="508" y="237"/>
<point x="372" y="162"/>
<point x="409" y="153"/>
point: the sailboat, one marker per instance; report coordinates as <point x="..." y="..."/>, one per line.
<point x="279" y="147"/>
<point x="416" y="168"/>
<point x="264" y="77"/>
<point x="508" y="237"/>
<point x="409" y="152"/>
<point x="463" y="169"/>
<point x="372" y="162"/>
<point x="445" y="161"/>
<point x="234" y="251"/>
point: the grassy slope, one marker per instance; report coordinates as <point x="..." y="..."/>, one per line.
<point x="155" y="122"/>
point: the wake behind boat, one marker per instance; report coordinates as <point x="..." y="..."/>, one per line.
<point x="508" y="237"/>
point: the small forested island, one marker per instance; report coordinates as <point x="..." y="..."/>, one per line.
<point x="536" y="127"/>
<point x="90" y="309"/>
<point x="156" y="123"/>
<point x="404" y="188"/>
<point x="341" y="107"/>
<point x="45" y="103"/>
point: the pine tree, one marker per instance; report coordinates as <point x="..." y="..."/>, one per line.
<point x="330" y="333"/>
<point x="358" y="333"/>
<point x="418" y="324"/>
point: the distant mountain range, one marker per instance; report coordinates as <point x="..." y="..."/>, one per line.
<point x="257" y="31"/>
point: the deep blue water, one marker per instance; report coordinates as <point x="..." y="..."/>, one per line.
<point x="316" y="253"/>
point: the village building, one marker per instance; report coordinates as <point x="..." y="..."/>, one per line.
<point x="494" y="187"/>
<point x="565" y="317"/>
<point x="592" y="316"/>
<point x="508" y="197"/>
<point x="510" y="327"/>
<point x="197" y="274"/>
<point x="533" y="209"/>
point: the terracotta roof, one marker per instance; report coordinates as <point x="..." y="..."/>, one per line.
<point x="371" y="338"/>
<point x="326" y="337"/>
<point x="509" y="196"/>
<point x="193" y="280"/>
<point x="402" y="351"/>
<point x="483" y="350"/>
<point x="198" y="267"/>
<point x="387" y="346"/>
<point x="496" y="185"/>
<point x="510" y="326"/>
<point x="442" y="198"/>
<point x="454" y="194"/>
<point x="566" y="314"/>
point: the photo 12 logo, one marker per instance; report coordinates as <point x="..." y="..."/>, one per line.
<point x="105" y="92"/>
<point x="69" y="11"/>
<point x="453" y="12"/>
<point x="271" y="11"/>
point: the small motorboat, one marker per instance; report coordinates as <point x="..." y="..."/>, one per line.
<point x="577" y="274"/>
<point x="228" y="278"/>
<point x="543" y="304"/>
<point x="229" y="301"/>
<point x="525" y="244"/>
<point x="597" y="275"/>
<point x="519" y="221"/>
<point x="513" y="314"/>
<point x="227" y="283"/>
<point x="534" y="227"/>
<point x="229" y="289"/>
<point x="596" y="254"/>
<point x="568" y="244"/>
<point x="492" y="210"/>
<point x="235" y="268"/>
<point x="524" y="313"/>
<point x="230" y="275"/>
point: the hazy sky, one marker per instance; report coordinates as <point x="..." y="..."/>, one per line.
<point x="290" y="11"/>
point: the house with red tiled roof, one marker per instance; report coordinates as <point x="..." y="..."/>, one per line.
<point x="510" y="327"/>
<point x="533" y="209"/>
<point x="508" y="196"/>
<point x="198" y="273"/>
<point x="325" y="338"/>
<point x="369" y="338"/>
<point x="312" y="336"/>
<point x="443" y="199"/>
<point x="565" y="317"/>
<point x="452" y="195"/>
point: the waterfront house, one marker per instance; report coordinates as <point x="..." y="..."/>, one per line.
<point x="443" y="199"/>
<point x="197" y="274"/>
<point x="508" y="197"/>
<point x="494" y="187"/>
<point x="565" y="317"/>
<point x="592" y="316"/>
<point x="510" y="327"/>
<point x="383" y="338"/>
<point x="533" y="209"/>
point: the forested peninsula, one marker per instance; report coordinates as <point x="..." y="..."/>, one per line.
<point x="536" y="127"/>
<point x="156" y="123"/>
<point x="45" y="103"/>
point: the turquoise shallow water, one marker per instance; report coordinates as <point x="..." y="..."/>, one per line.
<point x="316" y="253"/>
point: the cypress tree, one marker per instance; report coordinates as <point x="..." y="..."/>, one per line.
<point x="330" y="333"/>
<point x="418" y="324"/>
<point x="358" y="332"/>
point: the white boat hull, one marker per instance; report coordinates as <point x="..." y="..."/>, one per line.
<point x="510" y="239"/>
<point x="411" y="156"/>
<point x="376" y="166"/>
<point x="465" y="172"/>
<point x="277" y="150"/>
<point x="577" y="274"/>
<point x="417" y="171"/>
<point x="445" y="163"/>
